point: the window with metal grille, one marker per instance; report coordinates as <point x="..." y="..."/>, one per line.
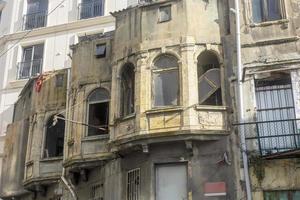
<point x="277" y="129"/>
<point x="32" y="61"/>
<point x="133" y="184"/>
<point x="97" y="192"/>
<point x="267" y="10"/>
<point x="282" y="195"/>
<point x="209" y="79"/>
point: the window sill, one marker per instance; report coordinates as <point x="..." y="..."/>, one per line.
<point x="128" y="117"/>
<point x="164" y="109"/>
<point x="95" y="137"/>
<point x="60" y="158"/>
<point x="211" y="108"/>
<point x="269" y="23"/>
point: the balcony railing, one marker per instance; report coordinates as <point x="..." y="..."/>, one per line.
<point x="35" y="20"/>
<point x="29" y="69"/>
<point x="91" y="9"/>
<point x="272" y="137"/>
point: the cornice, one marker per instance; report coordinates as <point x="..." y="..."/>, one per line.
<point x="58" y="28"/>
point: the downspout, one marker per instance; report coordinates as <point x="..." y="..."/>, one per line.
<point x="240" y="100"/>
<point x="63" y="177"/>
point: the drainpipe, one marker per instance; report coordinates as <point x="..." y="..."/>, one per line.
<point x="240" y="100"/>
<point x="63" y="176"/>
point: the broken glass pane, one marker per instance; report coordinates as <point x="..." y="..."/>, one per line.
<point x="166" y="89"/>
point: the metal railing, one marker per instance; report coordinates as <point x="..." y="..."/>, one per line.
<point x="29" y="69"/>
<point x="35" y="20"/>
<point x="91" y="9"/>
<point x="271" y="137"/>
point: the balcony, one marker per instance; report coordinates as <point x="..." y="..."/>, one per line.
<point x="273" y="139"/>
<point x="35" y="20"/>
<point x="29" y="69"/>
<point x="91" y="9"/>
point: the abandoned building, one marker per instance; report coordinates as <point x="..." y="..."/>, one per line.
<point x="151" y="109"/>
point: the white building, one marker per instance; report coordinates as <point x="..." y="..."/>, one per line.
<point x="35" y="36"/>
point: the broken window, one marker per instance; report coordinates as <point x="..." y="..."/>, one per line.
<point x="267" y="10"/>
<point x="166" y="81"/>
<point x="100" y="50"/>
<point x="209" y="81"/>
<point x="127" y="90"/>
<point x="165" y="13"/>
<point x="133" y="184"/>
<point x="54" y="143"/>
<point x="98" y="112"/>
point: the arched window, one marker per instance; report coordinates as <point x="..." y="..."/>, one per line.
<point x="127" y="90"/>
<point x="165" y="81"/>
<point x="55" y="133"/>
<point x="209" y="81"/>
<point x="98" y="112"/>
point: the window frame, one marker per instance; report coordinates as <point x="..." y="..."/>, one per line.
<point x="159" y="13"/>
<point x="108" y="100"/>
<point x="165" y="70"/>
<point x="282" y="8"/>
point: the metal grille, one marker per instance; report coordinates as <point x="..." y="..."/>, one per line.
<point x="97" y="192"/>
<point x="29" y="68"/>
<point x="91" y="9"/>
<point x="276" y="129"/>
<point x="35" y="20"/>
<point x="133" y="184"/>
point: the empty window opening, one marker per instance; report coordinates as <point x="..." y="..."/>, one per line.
<point x="133" y="184"/>
<point x="174" y="176"/>
<point x="165" y="81"/>
<point x="209" y="81"/>
<point x="127" y="90"/>
<point x="59" y="81"/>
<point x="55" y="131"/>
<point x="100" y="50"/>
<point x="98" y="112"/>
<point x="267" y="10"/>
<point x="165" y="13"/>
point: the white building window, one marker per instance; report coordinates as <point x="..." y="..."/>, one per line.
<point x="133" y="184"/>
<point x="32" y="61"/>
<point x="36" y="16"/>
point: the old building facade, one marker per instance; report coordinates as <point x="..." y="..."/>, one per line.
<point x="149" y="110"/>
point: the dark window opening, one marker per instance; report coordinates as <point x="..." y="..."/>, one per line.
<point x="267" y="10"/>
<point x="55" y="132"/>
<point x="165" y="13"/>
<point x="98" y="112"/>
<point x="100" y="50"/>
<point x="209" y="79"/>
<point x="166" y="81"/>
<point x="91" y="8"/>
<point x="127" y="90"/>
